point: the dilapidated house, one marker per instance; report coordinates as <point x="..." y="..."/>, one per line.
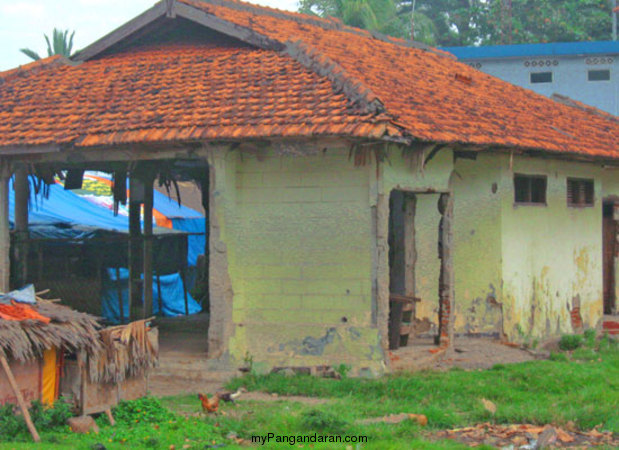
<point x="340" y="169"/>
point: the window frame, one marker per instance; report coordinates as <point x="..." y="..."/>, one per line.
<point x="552" y="77"/>
<point x="530" y="178"/>
<point x="585" y="182"/>
<point x="589" y="80"/>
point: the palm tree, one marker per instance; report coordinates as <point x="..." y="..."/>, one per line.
<point x="61" y="44"/>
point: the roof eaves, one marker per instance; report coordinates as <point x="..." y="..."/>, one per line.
<point x="160" y="9"/>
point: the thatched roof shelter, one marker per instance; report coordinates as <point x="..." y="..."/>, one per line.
<point x="67" y="329"/>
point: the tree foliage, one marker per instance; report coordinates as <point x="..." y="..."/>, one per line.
<point x="474" y="22"/>
<point x="60" y="44"/>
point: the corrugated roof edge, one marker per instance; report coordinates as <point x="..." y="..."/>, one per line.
<point x="528" y="50"/>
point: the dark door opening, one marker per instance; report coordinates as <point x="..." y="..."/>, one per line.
<point x="609" y="250"/>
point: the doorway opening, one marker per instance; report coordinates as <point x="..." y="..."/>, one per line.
<point x="609" y="251"/>
<point x="419" y="277"/>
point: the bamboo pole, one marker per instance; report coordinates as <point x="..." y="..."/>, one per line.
<point x="20" y="399"/>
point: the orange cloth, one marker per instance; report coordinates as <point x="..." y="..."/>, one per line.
<point x="18" y="311"/>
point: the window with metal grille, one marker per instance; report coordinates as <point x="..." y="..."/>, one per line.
<point x="580" y="192"/>
<point x="530" y="189"/>
<point x="541" y="77"/>
<point x="598" y="75"/>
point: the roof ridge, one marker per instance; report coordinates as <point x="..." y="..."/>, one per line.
<point x="325" y="23"/>
<point x="39" y="64"/>
<point x="356" y="91"/>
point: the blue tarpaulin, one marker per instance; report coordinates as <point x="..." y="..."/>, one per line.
<point x="171" y="294"/>
<point x="47" y="216"/>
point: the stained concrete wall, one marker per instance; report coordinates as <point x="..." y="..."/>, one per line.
<point x="300" y="254"/>
<point x="521" y="269"/>
<point x="297" y="237"/>
<point x="301" y="267"/>
<point x="477" y="245"/>
<point x="552" y="254"/>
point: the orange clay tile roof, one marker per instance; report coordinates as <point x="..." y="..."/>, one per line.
<point x="179" y="92"/>
<point x="321" y="78"/>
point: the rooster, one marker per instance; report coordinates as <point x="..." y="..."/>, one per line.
<point x="209" y="405"/>
<point x="231" y="396"/>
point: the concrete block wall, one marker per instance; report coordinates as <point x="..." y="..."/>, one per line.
<point x="302" y="265"/>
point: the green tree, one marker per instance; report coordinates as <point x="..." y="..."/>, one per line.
<point x="61" y="44"/>
<point x="374" y="15"/>
<point x="474" y="22"/>
<point x="534" y="21"/>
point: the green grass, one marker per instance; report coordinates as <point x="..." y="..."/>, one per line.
<point x="583" y="389"/>
<point x="581" y="386"/>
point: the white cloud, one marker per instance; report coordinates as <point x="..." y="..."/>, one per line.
<point x="23" y="22"/>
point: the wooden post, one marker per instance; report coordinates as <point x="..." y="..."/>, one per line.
<point x="119" y="290"/>
<point x="135" y="297"/>
<point x="20" y="399"/>
<point x="5" y="238"/>
<point x="21" y="226"/>
<point x="148" y="247"/>
<point x="446" y="280"/>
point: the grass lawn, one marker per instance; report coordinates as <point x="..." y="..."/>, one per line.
<point x="581" y="387"/>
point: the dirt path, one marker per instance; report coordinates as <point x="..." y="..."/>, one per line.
<point x="467" y="353"/>
<point x="264" y="397"/>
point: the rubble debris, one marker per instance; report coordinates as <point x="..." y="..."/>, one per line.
<point x="527" y="436"/>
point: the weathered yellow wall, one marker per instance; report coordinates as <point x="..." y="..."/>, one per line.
<point x="299" y="235"/>
<point x="477" y="245"/>
<point x="301" y="268"/>
<point x="428" y="264"/>
<point x="552" y="255"/>
<point x="304" y="240"/>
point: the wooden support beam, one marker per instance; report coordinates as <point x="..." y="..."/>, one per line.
<point x="446" y="278"/>
<point x="5" y="238"/>
<point x="21" y="226"/>
<point x="148" y="246"/>
<point x="20" y="399"/>
<point x="135" y="250"/>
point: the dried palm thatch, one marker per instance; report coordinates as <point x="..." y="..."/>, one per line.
<point x="127" y="350"/>
<point x="68" y="329"/>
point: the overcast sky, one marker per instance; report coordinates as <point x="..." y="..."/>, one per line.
<point x="23" y="22"/>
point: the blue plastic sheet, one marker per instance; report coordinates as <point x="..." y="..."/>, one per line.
<point x="171" y="295"/>
<point x="195" y="243"/>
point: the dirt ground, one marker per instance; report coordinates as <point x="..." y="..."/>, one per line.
<point x="467" y="353"/>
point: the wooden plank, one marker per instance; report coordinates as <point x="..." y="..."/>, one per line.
<point x="5" y="238"/>
<point x="20" y="399"/>
<point x="120" y="33"/>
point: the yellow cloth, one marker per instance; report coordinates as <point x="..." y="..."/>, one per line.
<point x="48" y="384"/>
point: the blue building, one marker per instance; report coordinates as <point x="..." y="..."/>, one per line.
<point x="584" y="71"/>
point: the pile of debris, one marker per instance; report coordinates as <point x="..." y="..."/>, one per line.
<point x="527" y="436"/>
